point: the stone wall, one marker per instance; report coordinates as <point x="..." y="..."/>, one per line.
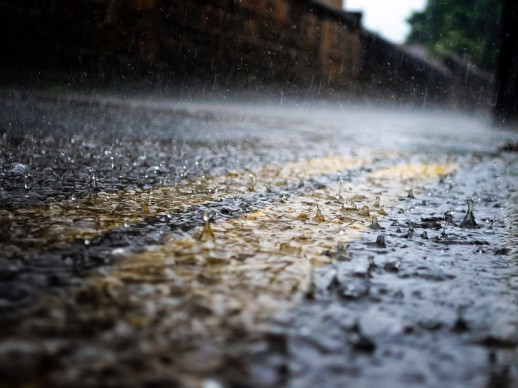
<point x="296" y="46"/>
<point x="223" y="42"/>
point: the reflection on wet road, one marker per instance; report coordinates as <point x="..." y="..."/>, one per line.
<point x="342" y="245"/>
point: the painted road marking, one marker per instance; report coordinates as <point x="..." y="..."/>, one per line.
<point x="196" y="296"/>
<point x="261" y="262"/>
<point x="55" y="225"/>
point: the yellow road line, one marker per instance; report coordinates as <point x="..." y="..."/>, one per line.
<point x="189" y="298"/>
<point x="262" y="260"/>
<point x="57" y="224"/>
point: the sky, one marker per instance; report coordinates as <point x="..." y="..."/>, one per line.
<point x="387" y="18"/>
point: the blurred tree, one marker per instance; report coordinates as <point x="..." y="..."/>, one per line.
<point x="506" y="107"/>
<point x="467" y="28"/>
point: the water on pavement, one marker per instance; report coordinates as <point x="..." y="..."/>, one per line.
<point x="209" y="244"/>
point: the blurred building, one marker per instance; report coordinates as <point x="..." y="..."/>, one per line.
<point x="338" y="4"/>
<point x="291" y="46"/>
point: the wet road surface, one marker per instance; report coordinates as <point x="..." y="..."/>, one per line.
<point x="150" y="241"/>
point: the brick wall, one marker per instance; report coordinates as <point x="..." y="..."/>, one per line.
<point x="300" y="46"/>
<point x="220" y="41"/>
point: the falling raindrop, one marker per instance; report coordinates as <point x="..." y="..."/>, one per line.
<point x="340" y="189"/>
<point x="365" y="211"/>
<point x="382" y="211"/>
<point x="377" y="202"/>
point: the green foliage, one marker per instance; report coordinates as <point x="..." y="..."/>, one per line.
<point x="467" y="28"/>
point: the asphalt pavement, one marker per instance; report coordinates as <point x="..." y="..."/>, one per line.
<point x="154" y="241"/>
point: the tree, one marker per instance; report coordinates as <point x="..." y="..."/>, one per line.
<point x="506" y="107"/>
<point x="467" y="28"/>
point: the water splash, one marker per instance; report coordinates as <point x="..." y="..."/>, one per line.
<point x="469" y="219"/>
<point x="145" y="205"/>
<point x="303" y="217"/>
<point x="251" y="183"/>
<point x="319" y="217"/>
<point x="380" y="241"/>
<point x="206" y="234"/>
<point x="374" y="224"/>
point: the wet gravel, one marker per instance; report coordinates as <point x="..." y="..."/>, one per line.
<point x="434" y="302"/>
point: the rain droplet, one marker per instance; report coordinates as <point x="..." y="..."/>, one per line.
<point x="206" y="234"/>
<point x="377" y="202"/>
<point x="319" y="217"/>
<point x="380" y="242"/>
<point x="93" y="182"/>
<point x="410" y="194"/>
<point x="365" y="211"/>
<point x="251" y="183"/>
<point x="374" y="225"/>
<point x="469" y="219"/>
<point x="382" y="211"/>
<point x="302" y="217"/>
<point x="340" y="189"/>
<point x="448" y="218"/>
